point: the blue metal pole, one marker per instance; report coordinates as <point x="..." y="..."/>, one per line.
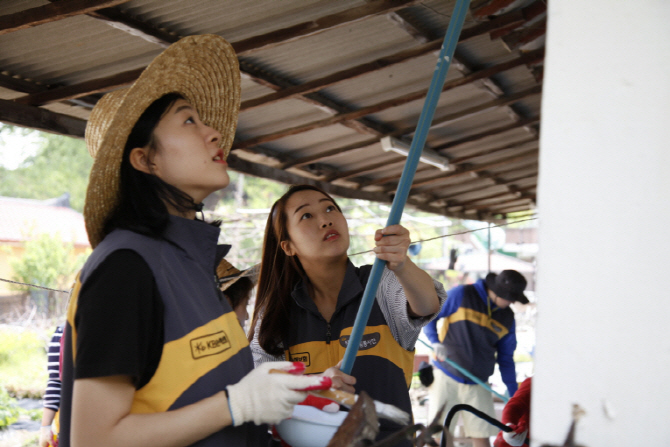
<point x="418" y="142"/>
<point x="467" y="374"/>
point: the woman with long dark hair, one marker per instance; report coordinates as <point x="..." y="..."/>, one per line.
<point x="309" y="293"/>
<point x="153" y="354"/>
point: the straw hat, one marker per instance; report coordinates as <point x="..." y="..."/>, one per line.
<point x="203" y="69"/>
<point x="228" y="274"/>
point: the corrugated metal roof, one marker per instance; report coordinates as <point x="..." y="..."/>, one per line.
<point x="368" y="67"/>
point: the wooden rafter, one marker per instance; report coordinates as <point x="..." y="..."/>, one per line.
<point x="524" y="36"/>
<point x="41" y="119"/>
<point x="284" y="176"/>
<point x="50" y="13"/>
<point x="448" y="118"/>
<point x="344" y="75"/>
<point x="302" y="161"/>
<point x="82" y="89"/>
<point x="297" y="162"/>
<point x="489" y="9"/>
<point x="532" y="163"/>
<point x="490" y="208"/>
<point x="467" y="169"/>
<point x="487" y="133"/>
<point x="274" y="38"/>
<point x="122" y="21"/>
<point x="528" y="13"/>
<point x="490" y="180"/>
<point x="489" y="151"/>
<point x="395" y="102"/>
<point x="467" y="203"/>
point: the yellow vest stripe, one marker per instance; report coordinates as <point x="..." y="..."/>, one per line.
<point x="187" y="359"/>
<point x="319" y="355"/>
<point x="72" y="311"/>
<point x="463" y="314"/>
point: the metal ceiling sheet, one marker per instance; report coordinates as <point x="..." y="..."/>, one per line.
<point x="309" y="137"/>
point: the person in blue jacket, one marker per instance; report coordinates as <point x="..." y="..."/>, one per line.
<point x="478" y="330"/>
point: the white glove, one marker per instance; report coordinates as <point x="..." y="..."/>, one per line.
<point x="265" y="398"/>
<point x="513" y="438"/>
<point x="46" y="436"/>
<point x="439" y="351"/>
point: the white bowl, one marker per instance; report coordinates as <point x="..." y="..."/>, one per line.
<point x="310" y="427"/>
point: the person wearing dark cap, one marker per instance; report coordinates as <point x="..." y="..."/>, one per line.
<point x="478" y="330"/>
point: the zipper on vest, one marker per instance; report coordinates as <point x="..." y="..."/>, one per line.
<point x="328" y="334"/>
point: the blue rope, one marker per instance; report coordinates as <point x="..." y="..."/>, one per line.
<point x="416" y="148"/>
<point x="467" y="374"/>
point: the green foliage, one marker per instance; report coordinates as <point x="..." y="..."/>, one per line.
<point x="47" y="261"/>
<point x="61" y="165"/>
<point x="9" y="413"/>
<point x="23" y="371"/>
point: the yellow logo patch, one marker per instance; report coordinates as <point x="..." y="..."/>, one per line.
<point x="301" y="357"/>
<point x="209" y="345"/>
<point x="368" y="341"/>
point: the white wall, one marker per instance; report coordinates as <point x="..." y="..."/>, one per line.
<point x="604" y="204"/>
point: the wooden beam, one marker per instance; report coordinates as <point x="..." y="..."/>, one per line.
<point x="122" y="21"/>
<point x="81" y="89"/>
<point x="449" y="118"/>
<point x="298" y="162"/>
<point x="487" y="133"/>
<point x="50" y="13"/>
<point x="395" y="102"/>
<point x="528" y="13"/>
<point x="362" y="145"/>
<point x="369" y="168"/>
<point x="344" y="75"/>
<point x="470" y="169"/>
<point x="523" y="36"/>
<point x="514" y="209"/>
<point x="492" y="182"/>
<point x="459" y="171"/>
<point x="485" y="175"/>
<point x="41" y="119"/>
<point x="483" y="152"/>
<point x="501" y="101"/>
<point x="467" y="203"/>
<point x="280" y="175"/>
<point x="489" y="9"/>
<point x="19" y="85"/>
<point x="503" y="204"/>
<point x="384" y="180"/>
<point x="301" y="30"/>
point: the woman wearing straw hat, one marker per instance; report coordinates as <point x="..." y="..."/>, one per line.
<point x="308" y="280"/>
<point x="153" y="353"/>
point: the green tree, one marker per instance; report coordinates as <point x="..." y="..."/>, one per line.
<point x="48" y="262"/>
<point x="61" y="165"/>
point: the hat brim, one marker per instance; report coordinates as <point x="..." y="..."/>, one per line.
<point x="251" y="273"/>
<point x="514" y="297"/>
<point x="204" y="69"/>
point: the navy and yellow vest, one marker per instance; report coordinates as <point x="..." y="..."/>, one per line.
<point x="382" y="367"/>
<point x="204" y="348"/>
<point x="471" y="335"/>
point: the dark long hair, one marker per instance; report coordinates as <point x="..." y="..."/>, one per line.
<point x="279" y="275"/>
<point x="143" y="197"/>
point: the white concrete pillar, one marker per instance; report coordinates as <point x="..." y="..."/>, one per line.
<point x="604" y="202"/>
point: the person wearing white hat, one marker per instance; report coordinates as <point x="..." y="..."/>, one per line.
<point x="153" y="353"/>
